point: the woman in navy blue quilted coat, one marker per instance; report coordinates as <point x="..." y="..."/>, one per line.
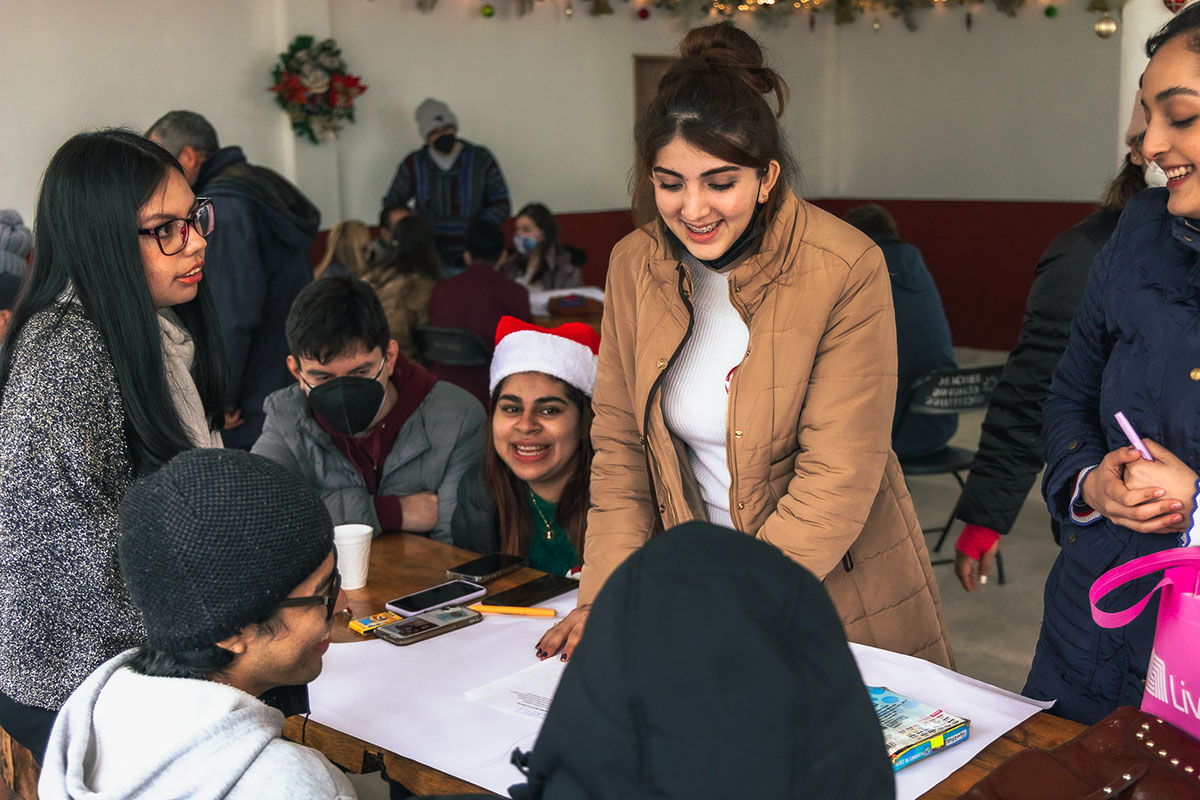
<point x="1134" y="347"/>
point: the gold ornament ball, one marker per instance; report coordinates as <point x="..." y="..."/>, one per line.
<point x="1105" y="27"/>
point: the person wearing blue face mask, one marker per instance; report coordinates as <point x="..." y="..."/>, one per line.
<point x="537" y="259"/>
<point x="383" y="440"/>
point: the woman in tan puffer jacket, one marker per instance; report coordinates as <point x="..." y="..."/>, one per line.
<point x="747" y="367"/>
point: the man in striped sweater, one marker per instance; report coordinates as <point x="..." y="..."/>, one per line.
<point x="450" y="181"/>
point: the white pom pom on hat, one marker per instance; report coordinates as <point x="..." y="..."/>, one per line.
<point x="567" y="352"/>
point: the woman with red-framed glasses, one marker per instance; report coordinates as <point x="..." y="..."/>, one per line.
<point x="113" y="364"/>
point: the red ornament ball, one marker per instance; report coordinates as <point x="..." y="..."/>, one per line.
<point x="643" y="13"/>
<point x="1174" y="5"/>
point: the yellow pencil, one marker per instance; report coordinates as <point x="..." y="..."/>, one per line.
<point x="519" y="611"/>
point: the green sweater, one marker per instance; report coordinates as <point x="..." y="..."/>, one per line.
<point x="551" y="553"/>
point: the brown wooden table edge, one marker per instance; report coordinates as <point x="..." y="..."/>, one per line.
<point x="1042" y="731"/>
<point x="361" y="757"/>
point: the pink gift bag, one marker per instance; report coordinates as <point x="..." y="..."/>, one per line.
<point x="1173" y="676"/>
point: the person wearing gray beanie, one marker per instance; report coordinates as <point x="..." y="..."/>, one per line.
<point x="460" y="182"/>
<point x="229" y="558"/>
<point x="15" y="243"/>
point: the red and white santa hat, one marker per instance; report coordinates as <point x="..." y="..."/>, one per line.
<point x="567" y="352"/>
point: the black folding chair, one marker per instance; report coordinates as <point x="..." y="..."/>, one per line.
<point x="947" y="392"/>
<point x="452" y="346"/>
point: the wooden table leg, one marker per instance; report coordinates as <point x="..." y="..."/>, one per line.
<point x="18" y="771"/>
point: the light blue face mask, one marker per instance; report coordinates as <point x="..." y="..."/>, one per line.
<point x="525" y="244"/>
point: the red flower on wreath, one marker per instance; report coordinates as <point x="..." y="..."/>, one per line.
<point x="290" y="88"/>
<point x="344" y="88"/>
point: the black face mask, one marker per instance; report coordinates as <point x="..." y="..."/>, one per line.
<point x="444" y="143"/>
<point x="348" y="404"/>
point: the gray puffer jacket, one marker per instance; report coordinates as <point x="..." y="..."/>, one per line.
<point x="439" y="442"/>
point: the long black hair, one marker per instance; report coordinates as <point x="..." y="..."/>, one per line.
<point x="86" y="239"/>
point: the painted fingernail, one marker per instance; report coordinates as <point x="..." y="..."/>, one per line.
<point x="1176" y="506"/>
<point x="983" y="578"/>
<point x="541" y="653"/>
<point x="1177" y="518"/>
<point x="1159" y="492"/>
<point x="564" y="656"/>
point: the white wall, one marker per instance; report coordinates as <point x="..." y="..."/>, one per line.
<point x="1021" y="108"/>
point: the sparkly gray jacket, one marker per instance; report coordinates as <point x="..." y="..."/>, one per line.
<point x="64" y="466"/>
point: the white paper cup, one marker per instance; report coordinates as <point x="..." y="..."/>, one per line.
<point x="353" y="544"/>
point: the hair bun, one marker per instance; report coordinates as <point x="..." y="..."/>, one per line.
<point x="724" y="46"/>
<point x="722" y="42"/>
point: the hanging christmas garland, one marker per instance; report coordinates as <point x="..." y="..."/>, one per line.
<point x="315" y="88"/>
<point x="777" y="12"/>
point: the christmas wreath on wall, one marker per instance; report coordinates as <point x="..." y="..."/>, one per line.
<point x="315" y="88"/>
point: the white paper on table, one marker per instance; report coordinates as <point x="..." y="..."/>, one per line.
<point x="993" y="711"/>
<point x="527" y="692"/>
<point x="539" y="301"/>
<point x="410" y="700"/>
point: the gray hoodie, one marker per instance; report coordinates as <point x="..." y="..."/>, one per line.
<point x="123" y="735"/>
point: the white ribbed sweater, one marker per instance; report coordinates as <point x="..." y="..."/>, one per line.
<point x="696" y="387"/>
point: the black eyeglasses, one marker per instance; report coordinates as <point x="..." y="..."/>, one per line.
<point x="328" y="599"/>
<point x="172" y="235"/>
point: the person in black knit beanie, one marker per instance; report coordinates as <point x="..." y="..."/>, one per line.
<point x="229" y="558"/>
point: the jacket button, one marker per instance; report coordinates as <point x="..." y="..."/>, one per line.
<point x="747" y="351"/>
<point x="741" y="506"/>
<point x="1195" y="374"/>
<point x="662" y="509"/>
<point x="1187" y="237"/>
<point x="1073" y="445"/>
<point x="1071" y="539"/>
<point x="737" y="289"/>
<point x="662" y="363"/>
<point x="737" y="434"/>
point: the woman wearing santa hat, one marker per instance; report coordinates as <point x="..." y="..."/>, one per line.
<point x="530" y="495"/>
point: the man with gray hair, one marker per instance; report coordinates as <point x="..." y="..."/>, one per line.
<point x="256" y="263"/>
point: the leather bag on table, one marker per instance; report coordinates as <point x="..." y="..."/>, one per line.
<point x="1129" y="755"/>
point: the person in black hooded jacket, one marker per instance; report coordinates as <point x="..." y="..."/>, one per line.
<point x="1010" y="453"/>
<point x="713" y="666"/>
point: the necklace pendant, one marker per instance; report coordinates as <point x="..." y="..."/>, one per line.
<point x="549" y="534"/>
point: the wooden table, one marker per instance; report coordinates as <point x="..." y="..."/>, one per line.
<point x="402" y="563"/>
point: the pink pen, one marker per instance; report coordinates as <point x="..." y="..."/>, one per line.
<point x="1134" y="439"/>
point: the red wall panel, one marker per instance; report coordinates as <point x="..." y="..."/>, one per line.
<point x="981" y="253"/>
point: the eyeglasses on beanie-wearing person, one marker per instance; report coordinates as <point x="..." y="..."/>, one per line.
<point x="113" y="365"/>
<point x="747" y="375"/>
<point x="1132" y="349"/>
<point x="530" y="496"/>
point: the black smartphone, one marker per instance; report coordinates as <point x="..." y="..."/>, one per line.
<point x="536" y="591"/>
<point x="445" y="594"/>
<point x="482" y="570"/>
